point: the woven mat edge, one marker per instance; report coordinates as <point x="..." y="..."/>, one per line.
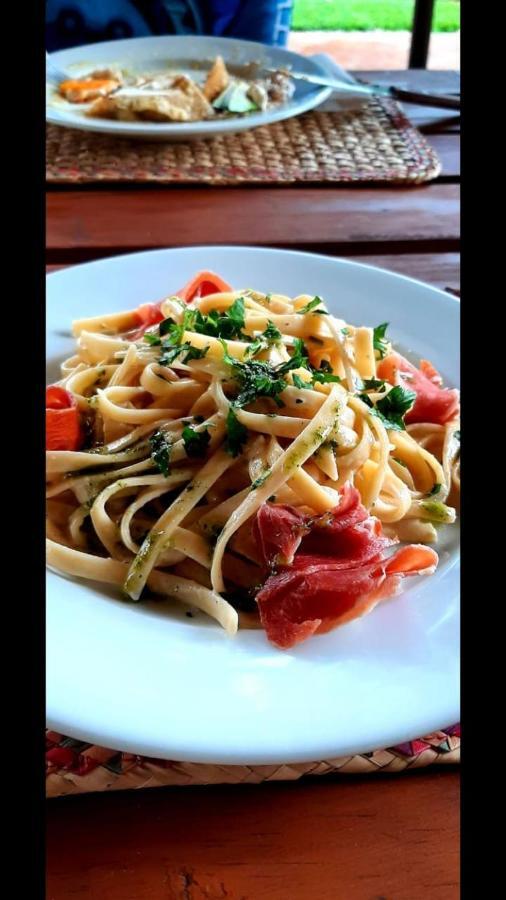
<point x="74" y="767"/>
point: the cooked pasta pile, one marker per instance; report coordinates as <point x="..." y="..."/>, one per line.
<point x="214" y="446"/>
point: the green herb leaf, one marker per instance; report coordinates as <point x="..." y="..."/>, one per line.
<point x="226" y="325"/>
<point x="320" y="377"/>
<point x="373" y="384"/>
<point x="195" y="353"/>
<point x="165" y="326"/>
<point x="393" y="407"/>
<point x="268" y="338"/>
<point x="435" y="490"/>
<point x="300" y="383"/>
<point x="151" y="338"/>
<point x="237" y="434"/>
<point x="310" y="307"/>
<point x="378" y="339"/>
<point x="271" y="333"/>
<point x="195" y="442"/>
<point x="161" y="448"/>
<point x="170" y="352"/>
<point x="298" y="360"/>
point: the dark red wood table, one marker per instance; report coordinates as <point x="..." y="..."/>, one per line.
<point x="373" y="838"/>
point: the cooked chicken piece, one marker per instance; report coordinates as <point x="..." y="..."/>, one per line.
<point x="183" y="102"/>
<point x="81" y="90"/>
<point x="217" y="79"/>
<point x="200" y="107"/>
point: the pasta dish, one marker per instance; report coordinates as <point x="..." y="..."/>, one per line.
<point x="250" y="455"/>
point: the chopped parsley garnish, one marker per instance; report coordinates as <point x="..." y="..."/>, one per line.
<point x="311" y="307"/>
<point x="195" y="352"/>
<point x="170" y="353"/>
<point x="378" y="340"/>
<point x="161" y="449"/>
<point x="435" y="489"/>
<point x="165" y="326"/>
<point x="237" y="433"/>
<point x="195" y="442"/>
<point x="300" y="383"/>
<point x="324" y="375"/>
<point x="345" y="331"/>
<point x="171" y="341"/>
<point x="216" y="324"/>
<point x="261" y="379"/>
<point x="373" y="384"/>
<point x="220" y="325"/>
<point x="268" y="338"/>
<point x="271" y="333"/>
<point x="400" y="461"/>
<point x="392" y="408"/>
<point x="299" y="359"/>
<point x="152" y="339"/>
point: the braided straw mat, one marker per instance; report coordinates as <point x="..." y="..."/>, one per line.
<point x="74" y="767"/>
<point x="374" y="144"/>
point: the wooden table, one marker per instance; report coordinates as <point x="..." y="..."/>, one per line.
<point x="373" y="838"/>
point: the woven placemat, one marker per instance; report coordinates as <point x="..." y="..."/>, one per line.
<point x="374" y="144"/>
<point x="74" y="767"/>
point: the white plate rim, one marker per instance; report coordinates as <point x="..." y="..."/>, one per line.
<point x="317" y="749"/>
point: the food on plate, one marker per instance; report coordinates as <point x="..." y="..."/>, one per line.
<point x="250" y="455"/>
<point x="175" y="96"/>
<point x="97" y="84"/>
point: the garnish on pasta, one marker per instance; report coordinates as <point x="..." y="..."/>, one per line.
<point x="248" y="455"/>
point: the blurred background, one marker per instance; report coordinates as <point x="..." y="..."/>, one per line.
<point x="359" y="34"/>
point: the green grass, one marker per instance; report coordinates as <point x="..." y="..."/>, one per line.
<point x="366" y="15"/>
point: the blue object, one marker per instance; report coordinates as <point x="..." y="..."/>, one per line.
<point x="73" y="22"/>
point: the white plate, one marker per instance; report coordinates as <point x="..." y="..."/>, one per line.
<point x="144" y="678"/>
<point x="157" y="54"/>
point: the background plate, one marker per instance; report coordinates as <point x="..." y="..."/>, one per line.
<point x="157" y="54"/>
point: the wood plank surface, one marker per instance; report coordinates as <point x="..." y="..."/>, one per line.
<point x="372" y="838"/>
<point x="81" y="224"/>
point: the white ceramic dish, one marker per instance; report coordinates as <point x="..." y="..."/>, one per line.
<point x="156" y="54"/>
<point x="144" y="678"/>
